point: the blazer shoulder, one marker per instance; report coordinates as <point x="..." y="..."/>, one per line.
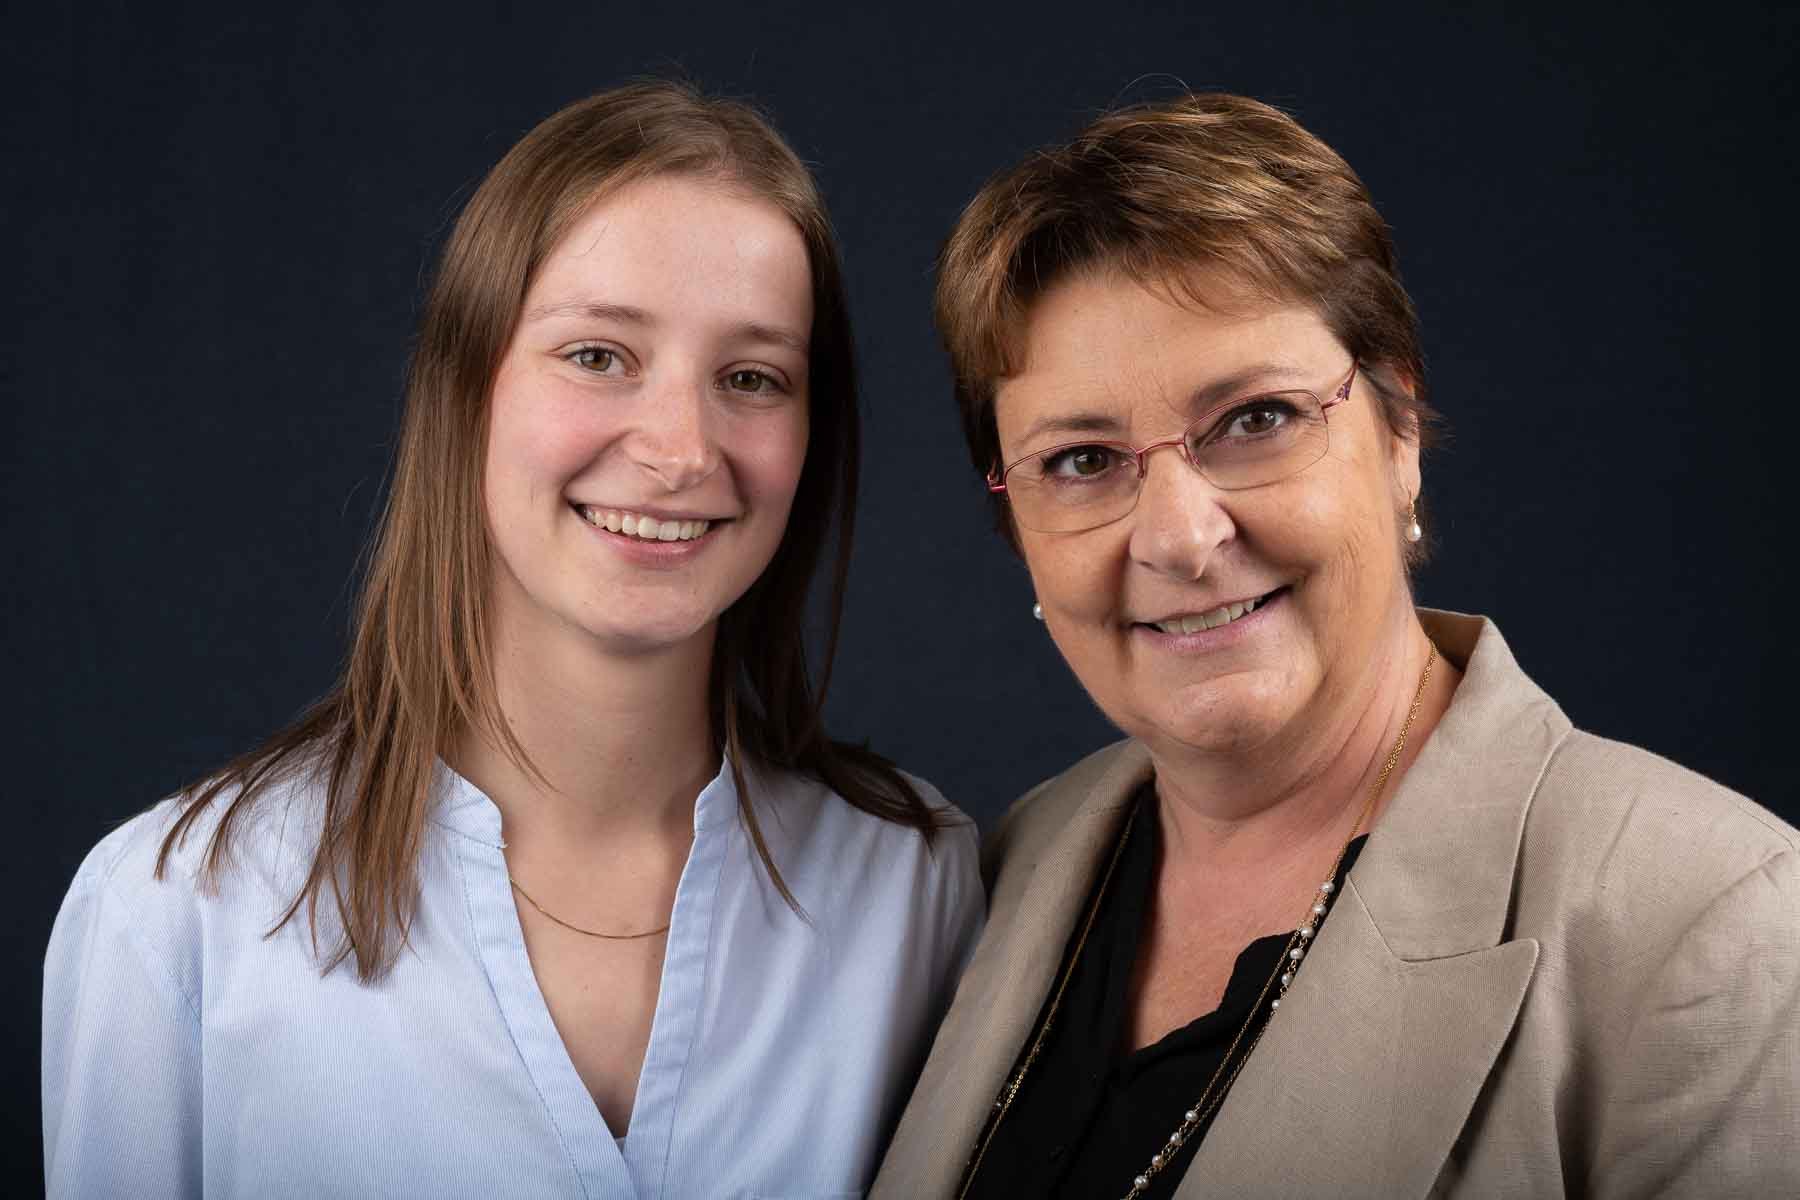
<point x="1638" y="842"/>
<point x="1592" y="778"/>
<point x="1034" y="820"/>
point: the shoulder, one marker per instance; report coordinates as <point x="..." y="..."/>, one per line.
<point x="810" y="823"/>
<point x="119" y="886"/>
<point x="877" y="889"/>
<point x="1638" y="852"/>
<point x="1618" y="849"/>
<point x="1667" y="912"/>
<point x="1036" y="819"/>
<point x="1624" y="810"/>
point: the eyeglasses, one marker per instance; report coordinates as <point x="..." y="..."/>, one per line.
<point x="1240" y="444"/>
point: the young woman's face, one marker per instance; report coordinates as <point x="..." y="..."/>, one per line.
<point x="649" y="419"/>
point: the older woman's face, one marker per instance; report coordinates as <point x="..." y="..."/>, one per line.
<point x="1320" y="549"/>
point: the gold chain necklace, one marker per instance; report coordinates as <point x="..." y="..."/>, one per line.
<point x="1279" y="980"/>
<point x="611" y="937"/>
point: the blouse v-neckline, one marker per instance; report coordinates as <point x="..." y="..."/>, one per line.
<point x="608" y="1164"/>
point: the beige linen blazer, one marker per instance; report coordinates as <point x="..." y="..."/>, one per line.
<point x="1561" y="965"/>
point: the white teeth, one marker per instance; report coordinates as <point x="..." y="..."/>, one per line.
<point x="647" y="528"/>
<point x="1225" y="614"/>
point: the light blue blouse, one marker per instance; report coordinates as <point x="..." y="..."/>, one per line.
<point x="185" y="1052"/>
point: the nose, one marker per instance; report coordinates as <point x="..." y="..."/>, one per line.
<point x="673" y="440"/>
<point x="1179" y="522"/>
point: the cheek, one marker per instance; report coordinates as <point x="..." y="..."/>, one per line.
<point x="539" y="442"/>
<point x="1078" y="579"/>
<point x="518" y="436"/>
<point x="771" y="454"/>
<point x="1345" y="536"/>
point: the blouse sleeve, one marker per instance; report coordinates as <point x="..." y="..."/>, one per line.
<point x="121" y="1045"/>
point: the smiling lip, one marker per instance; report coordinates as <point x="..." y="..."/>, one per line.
<point x="647" y="526"/>
<point x="1211" y="625"/>
<point x="667" y="549"/>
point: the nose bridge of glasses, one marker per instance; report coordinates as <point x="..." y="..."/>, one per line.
<point x="1180" y="442"/>
<point x="1181" y="482"/>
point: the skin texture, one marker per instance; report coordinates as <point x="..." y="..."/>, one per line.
<point x="1267" y="734"/>
<point x="659" y="366"/>
<point x="1107" y="345"/>
<point x="689" y="411"/>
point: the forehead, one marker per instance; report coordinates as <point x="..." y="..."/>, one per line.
<point x="676" y="242"/>
<point x="1107" y="347"/>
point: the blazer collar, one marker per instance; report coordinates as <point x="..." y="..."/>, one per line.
<point x="1466" y="793"/>
<point x="1409" y="992"/>
<point x="1001" y="993"/>
<point x="1470" y="787"/>
<point x="1407" y="996"/>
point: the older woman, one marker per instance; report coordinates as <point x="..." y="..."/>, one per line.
<point x="1354" y="911"/>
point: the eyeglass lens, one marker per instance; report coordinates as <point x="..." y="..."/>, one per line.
<point x="1080" y="486"/>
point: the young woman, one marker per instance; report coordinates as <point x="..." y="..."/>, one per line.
<point x="561" y="891"/>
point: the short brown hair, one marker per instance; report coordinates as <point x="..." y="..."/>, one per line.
<point x="1210" y="182"/>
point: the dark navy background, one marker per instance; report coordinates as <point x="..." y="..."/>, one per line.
<point x="218" y="223"/>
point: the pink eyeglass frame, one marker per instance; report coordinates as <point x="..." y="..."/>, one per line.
<point x="996" y="478"/>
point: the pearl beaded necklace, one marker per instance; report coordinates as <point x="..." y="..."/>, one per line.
<point x="1279" y="982"/>
<point x="1282" y="978"/>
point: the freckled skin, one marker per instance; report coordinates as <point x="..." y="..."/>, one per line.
<point x="660" y="424"/>
<point x="1330" y="533"/>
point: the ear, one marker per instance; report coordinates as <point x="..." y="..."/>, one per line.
<point x="1403" y="448"/>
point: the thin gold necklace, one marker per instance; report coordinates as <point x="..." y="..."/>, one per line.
<point x="611" y="937"/>
<point x="1279" y="980"/>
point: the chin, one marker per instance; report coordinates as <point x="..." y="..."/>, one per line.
<point x="630" y="639"/>
<point x="1226" y="737"/>
<point x="1220" y="717"/>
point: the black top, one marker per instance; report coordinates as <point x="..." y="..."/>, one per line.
<point x="1090" y="1114"/>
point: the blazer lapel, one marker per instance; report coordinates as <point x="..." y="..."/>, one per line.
<point x="1366" y="1077"/>
<point x="1362" y="1085"/>
<point x="980" y="1041"/>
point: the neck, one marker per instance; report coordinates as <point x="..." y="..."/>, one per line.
<point x="619" y="745"/>
<point x="1307" y="786"/>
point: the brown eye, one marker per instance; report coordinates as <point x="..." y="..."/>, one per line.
<point x="597" y="359"/>
<point x="1256" y="420"/>
<point x="750" y="381"/>
<point x="1259" y="420"/>
<point x="1080" y="462"/>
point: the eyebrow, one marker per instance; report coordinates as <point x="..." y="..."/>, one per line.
<point x="1198" y="402"/>
<point x="589" y="308"/>
<point x="626" y="314"/>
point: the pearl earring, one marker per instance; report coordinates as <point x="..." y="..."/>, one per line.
<point x="1037" y="610"/>
<point x="1413" y="530"/>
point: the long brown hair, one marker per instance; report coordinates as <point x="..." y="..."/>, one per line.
<point x="420" y="667"/>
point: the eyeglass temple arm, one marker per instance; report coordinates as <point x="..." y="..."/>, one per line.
<point x="1343" y="392"/>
